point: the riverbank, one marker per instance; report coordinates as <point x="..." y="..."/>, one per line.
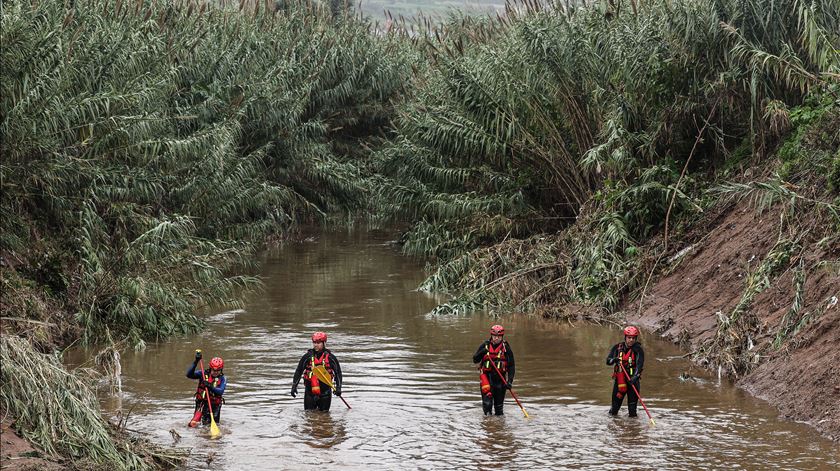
<point x="18" y="453"/>
<point x="710" y="279"/>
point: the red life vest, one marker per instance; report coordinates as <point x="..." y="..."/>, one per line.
<point x="497" y="355"/>
<point x="201" y="391"/>
<point x="323" y="359"/>
<point x="628" y="361"/>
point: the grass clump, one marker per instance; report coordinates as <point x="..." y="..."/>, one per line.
<point x="56" y="410"/>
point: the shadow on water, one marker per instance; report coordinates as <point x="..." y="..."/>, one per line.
<point x="415" y="392"/>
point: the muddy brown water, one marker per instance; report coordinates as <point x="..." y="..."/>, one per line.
<point x="414" y="392"/>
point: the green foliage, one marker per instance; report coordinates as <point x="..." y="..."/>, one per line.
<point x="398" y="10"/>
<point x="515" y="274"/>
<point x="834" y="173"/>
<point x="587" y="114"/>
<point x="814" y="123"/>
<point x="738" y="158"/>
<point x="813" y="145"/>
<point x="793" y="317"/>
<point x="57" y="410"/>
<point x="156" y="141"/>
<point x="534" y="154"/>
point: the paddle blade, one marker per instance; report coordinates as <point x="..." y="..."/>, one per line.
<point x="214" y="430"/>
<point x="323" y="375"/>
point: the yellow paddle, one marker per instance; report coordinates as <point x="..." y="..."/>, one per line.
<point x="324" y="377"/>
<point x="214" y="429"/>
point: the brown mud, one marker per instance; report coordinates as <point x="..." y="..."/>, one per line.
<point x="17" y="453"/>
<point x="710" y="277"/>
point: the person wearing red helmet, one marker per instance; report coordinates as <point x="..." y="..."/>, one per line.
<point x="317" y="396"/>
<point x="632" y="358"/>
<point x="210" y="381"/>
<point x="494" y="356"/>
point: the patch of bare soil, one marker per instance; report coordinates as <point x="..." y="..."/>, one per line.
<point x="802" y="382"/>
<point x="710" y="277"/>
<point x="18" y="454"/>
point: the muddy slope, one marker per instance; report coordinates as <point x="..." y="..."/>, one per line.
<point x="18" y="454"/>
<point x="711" y="276"/>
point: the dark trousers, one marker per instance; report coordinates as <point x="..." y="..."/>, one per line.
<point x="322" y="402"/>
<point x="201" y="408"/>
<point x="632" y="398"/>
<point x="497" y="399"/>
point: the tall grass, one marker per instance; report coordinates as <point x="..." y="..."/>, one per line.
<point x="152" y="143"/>
<point x="57" y="410"/>
<point x="608" y="116"/>
<point x="147" y="147"/>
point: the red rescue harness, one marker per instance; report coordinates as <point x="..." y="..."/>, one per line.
<point x="497" y="355"/>
<point x="628" y="361"/>
<point x="200" y="391"/>
<point x="323" y="359"/>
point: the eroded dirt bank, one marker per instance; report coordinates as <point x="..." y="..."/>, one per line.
<point x="797" y="374"/>
<point x="17" y="453"/>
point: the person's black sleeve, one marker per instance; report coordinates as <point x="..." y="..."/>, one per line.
<point x="338" y="379"/>
<point x="191" y="374"/>
<point x="611" y="356"/>
<point x="300" y="368"/>
<point x="511" y="364"/>
<point x="479" y="354"/>
<point x="640" y="361"/>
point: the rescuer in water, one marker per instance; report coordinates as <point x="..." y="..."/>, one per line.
<point x="494" y="359"/>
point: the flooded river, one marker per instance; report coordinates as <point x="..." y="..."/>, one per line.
<point x="414" y="391"/>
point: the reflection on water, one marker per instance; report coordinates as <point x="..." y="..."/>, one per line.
<point x="497" y="444"/>
<point x="414" y="390"/>
<point x="320" y="429"/>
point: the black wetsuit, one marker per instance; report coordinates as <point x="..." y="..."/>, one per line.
<point x="323" y="400"/>
<point x="633" y="369"/>
<point x="497" y="386"/>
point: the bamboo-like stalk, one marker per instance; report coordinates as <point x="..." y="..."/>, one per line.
<point x="157" y="153"/>
<point x="57" y="411"/>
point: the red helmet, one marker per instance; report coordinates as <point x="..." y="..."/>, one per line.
<point x="497" y="330"/>
<point x="631" y="331"/>
<point x="217" y="363"/>
<point x="319" y="337"/>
